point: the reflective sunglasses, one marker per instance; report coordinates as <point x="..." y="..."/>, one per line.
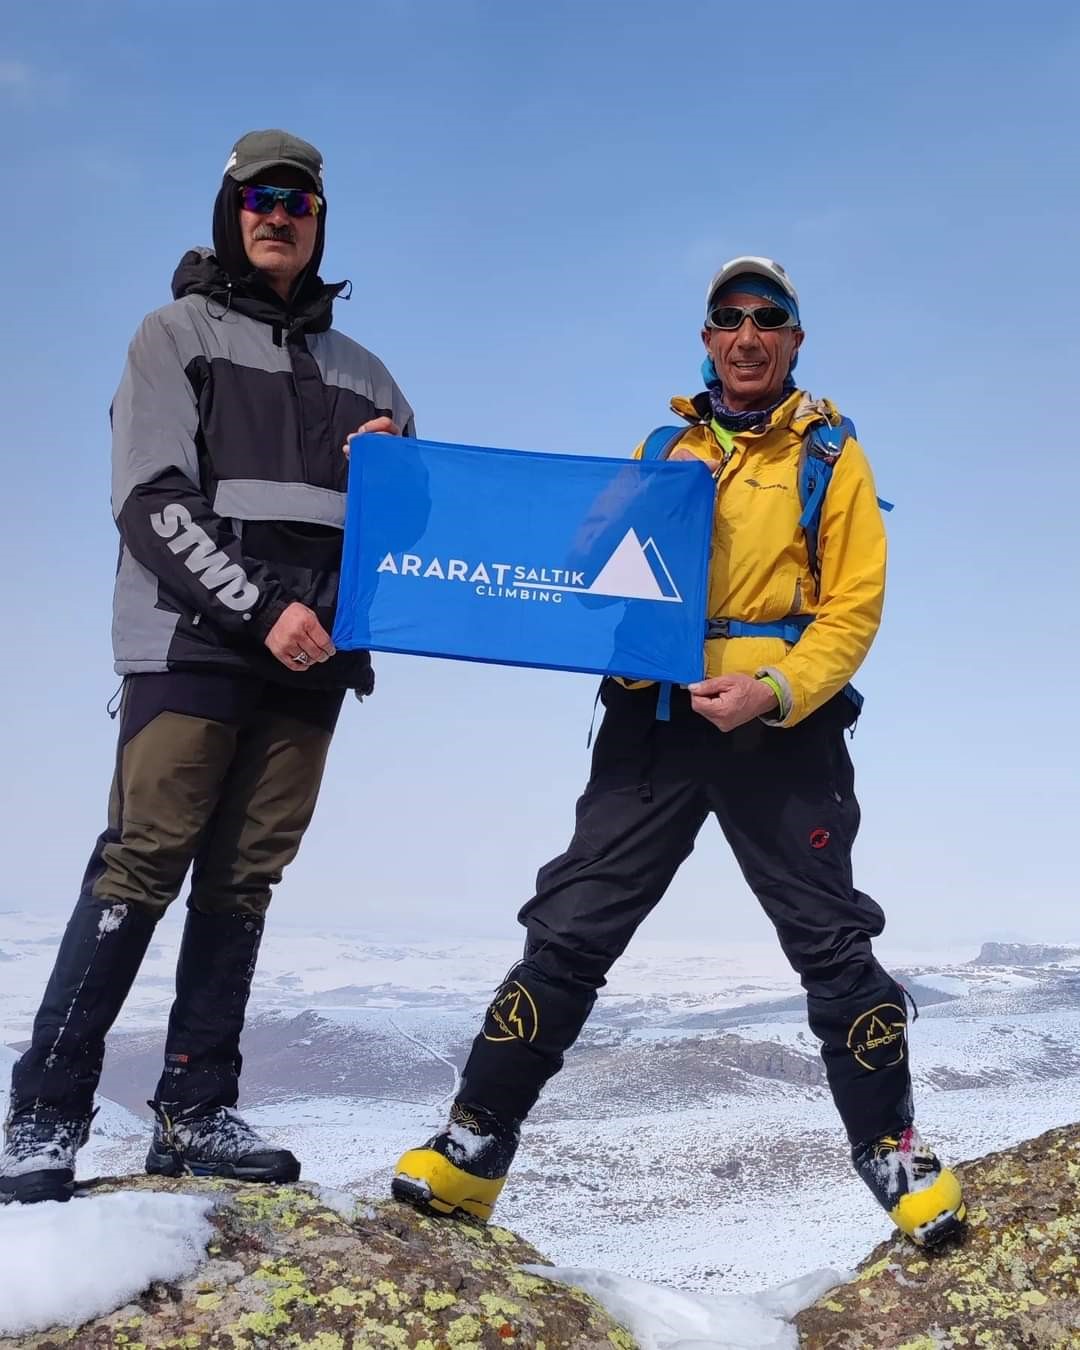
<point x="766" y="317"/>
<point x="262" y="200"/>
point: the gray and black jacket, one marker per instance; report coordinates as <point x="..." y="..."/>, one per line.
<point x="228" y="477"/>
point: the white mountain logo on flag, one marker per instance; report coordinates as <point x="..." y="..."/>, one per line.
<point x="636" y="571"/>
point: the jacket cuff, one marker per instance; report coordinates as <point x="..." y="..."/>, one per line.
<point x="779" y="680"/>
<point x="264" y="619"/>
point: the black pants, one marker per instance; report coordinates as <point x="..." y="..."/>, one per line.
<point x="786" y="803"/>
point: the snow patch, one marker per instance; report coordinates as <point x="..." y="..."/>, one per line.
<point x="111" y="919"/>
<point x="349" y="1206"/>
<point x="948" y="984"/>
<point x="136" y="1237"/>
<point x="661" y="1318"/>
<point x="467" y="1144"/>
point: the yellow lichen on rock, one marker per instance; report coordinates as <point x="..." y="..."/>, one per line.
<point x="434" y="1301"/>
<point x="284" y="1270"/>
<point x="621" y="1340"/>
<point x="1011" y="1284"/>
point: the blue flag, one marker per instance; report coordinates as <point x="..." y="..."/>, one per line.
<point x="568" y="562"/>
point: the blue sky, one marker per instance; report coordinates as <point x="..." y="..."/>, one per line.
<point x="529" y="201"/>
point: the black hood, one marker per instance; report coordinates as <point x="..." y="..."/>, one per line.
<point x="227" y="276"/>
<point x="229" y="242"/>
<point x="310" y="310"/>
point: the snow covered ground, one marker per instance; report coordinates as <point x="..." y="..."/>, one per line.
<point x="714" y="1198"/>
<point x="690" y="1139"/>
<point x="140" y="1237"/>
<point x="63" y="1264"/>
<point x="671" y="1319"/>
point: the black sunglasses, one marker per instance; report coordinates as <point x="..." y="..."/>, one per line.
<point x="262" y="199"/>
<point x="766" y="317"/>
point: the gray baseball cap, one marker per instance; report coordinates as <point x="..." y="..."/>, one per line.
<point x="260" y="150"/>
<point x="754" y="266"/>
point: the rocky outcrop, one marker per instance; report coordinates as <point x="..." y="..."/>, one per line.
<point x="767" y="1059"/>
<point x="1014" y="1283"/>
<point x="1023" y="954"/>
<point x="295" y="1267"/>
<point x="284" y="1269"/>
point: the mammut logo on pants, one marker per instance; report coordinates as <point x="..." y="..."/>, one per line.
<point x="226" y="579"/>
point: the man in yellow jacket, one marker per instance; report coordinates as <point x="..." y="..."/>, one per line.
<point x="760" y="743"/>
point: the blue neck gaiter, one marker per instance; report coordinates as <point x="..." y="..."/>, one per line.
<point x="739" y="421"/>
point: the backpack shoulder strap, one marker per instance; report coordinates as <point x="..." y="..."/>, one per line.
<point x="821" y="449"/>
<point x="660" y="443"/>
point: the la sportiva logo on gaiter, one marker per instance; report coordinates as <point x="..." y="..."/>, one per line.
<point x="878" y="1038"/>
<point x="512" y="1016"/>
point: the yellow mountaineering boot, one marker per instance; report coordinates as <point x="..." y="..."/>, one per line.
<point x="462" y="1169"/>
<point x="922" y="1198"/>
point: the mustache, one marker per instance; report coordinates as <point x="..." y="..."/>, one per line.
<point x="283" y="233"/>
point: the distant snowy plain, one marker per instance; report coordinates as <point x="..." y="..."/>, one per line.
<point x="671" y="1149"/>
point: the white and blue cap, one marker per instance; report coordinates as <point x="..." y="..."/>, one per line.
<point x="755" y="276"/>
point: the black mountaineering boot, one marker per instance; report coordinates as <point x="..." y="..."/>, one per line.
<point x="214" y="1142"/>
<point x="38" y="1161"/>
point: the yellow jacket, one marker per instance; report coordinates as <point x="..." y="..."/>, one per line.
<point x="760" y="569"/>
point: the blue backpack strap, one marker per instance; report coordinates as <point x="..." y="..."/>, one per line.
<point x="855" y="699"/>
<point x="659" y="443"/>
<point x="592" y="719"/>
<point x="788" y="630"/>
<point x="821" y="450"/>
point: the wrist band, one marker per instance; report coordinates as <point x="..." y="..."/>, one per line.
<point x="774" y="685"/>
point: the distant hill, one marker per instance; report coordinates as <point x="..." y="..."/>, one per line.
<point x="1023" y="954"/>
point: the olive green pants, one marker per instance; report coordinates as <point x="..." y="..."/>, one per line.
<point x="214" y="772"/>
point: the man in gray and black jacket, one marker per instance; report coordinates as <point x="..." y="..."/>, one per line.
<point x="228" y="492"/>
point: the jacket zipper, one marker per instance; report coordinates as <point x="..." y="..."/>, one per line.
<point x="725" y="459"/>
<point x="726" y="441"/>
<point x="299" y="401"/>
